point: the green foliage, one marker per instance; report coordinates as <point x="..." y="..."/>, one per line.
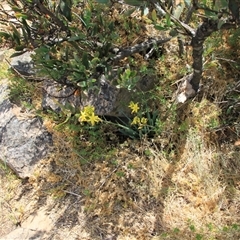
<point x="76" y="43"/>
<point x="128" y="79"/>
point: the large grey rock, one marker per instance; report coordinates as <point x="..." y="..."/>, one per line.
<point x="107" y="99"/>
<point x="103" y="98"/>
<point x="23" y="139"/>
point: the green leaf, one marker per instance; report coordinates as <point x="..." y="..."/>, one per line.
<point x="86" y="18"/>
<point x="187" y="2"/>
<point x="21" y="15"/>
<point x="85" y="60"/>
<point x="103" y="1"/>
<point x="25" y="35"/>
<point x="29" y="1"/>
<point x="17" y="54"/>
<point x="129" y="12"/>
<point x="16" y="38"/>
<point x="223" y="3"/>
<point x="135" y="3"/>
<point x="82" y="84"/>
<point x="160" y="28"/>
<point x="111" y="26"/>
<point x="76" y="38"/>
<point x="211" y="14"/>
<point x="178" y="11"/>
<point x="26" y="26"/>
<point x="76" y="58"/>
<point x="16" y="9"/>
<point x="168" y="20"/>
<point x="65" y="7"/>
<point x="220" y="23"/>
<point x="5" y="35"/>
<point x="154" y="15"/>
<point x="16" y="34"/>
<point x="220" y="4"/>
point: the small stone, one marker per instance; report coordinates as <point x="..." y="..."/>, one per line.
<point x="24" y="64"/>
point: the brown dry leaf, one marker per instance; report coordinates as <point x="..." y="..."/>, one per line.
<point x="211" y="204"/>
<point x="53" y="178"/>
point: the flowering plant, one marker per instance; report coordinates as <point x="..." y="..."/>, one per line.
<point x="140" y="124"/>
<point x="88" y="115"/>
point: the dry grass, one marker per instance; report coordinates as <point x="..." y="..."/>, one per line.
<point x="9" y="212"/>
<point x="138" y="191"/>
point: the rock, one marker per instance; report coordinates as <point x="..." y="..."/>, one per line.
<point x="23" y="233"/>
<point x="56" y="96"/>
<point x="23" y="139"/>
<point x="185" y="89"/>
<point x="103" y="98"/>
<point x="107" y="99"/>
<point x="36" y="227"/>
<point x="24" y="64"/>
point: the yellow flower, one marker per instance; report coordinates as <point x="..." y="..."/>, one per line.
<point x="94" y="119"/>
<point x="134" y="107"/>
<point x="136" y="121"/>
<point x="143" y="120"/>
<point x="87" y="115"/>
<point x="83" y="117"/>
<point x="89" y="110"/>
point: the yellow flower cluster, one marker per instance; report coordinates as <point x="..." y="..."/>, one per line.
<point x="141" y="122"/>
<point x="88" y="115"/>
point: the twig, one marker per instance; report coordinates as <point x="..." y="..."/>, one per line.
<point x="55" y="19"/>
<point x="190" y="13"/>
<point x="32" y="78"/>
<point x="188" y="30"/>
<point x="75" y="194"/>
<point x="41" y="79"/>
<point x="108" y="176"/>
<point x="225" y="59"/>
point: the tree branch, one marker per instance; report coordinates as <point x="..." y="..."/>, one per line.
<point x="203" y="31"/>
<point x="138" y="48"/>
<point x="45" y="11"/>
